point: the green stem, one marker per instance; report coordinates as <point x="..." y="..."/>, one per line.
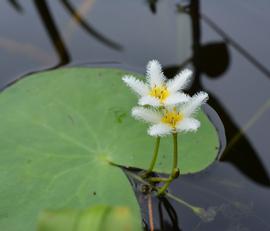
<point x="175" y="171"/>
<point x="157" y="179"/>
<point x="154" y="158"/>
<point x="175" y="152"/>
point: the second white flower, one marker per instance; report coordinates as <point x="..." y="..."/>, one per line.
<point x="172" y="119"/>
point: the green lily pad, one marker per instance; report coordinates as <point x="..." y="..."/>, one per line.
<point x="96" y="218"/>
<point x="59" y="131"/>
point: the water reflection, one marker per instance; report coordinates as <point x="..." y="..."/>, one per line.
<point x="221" y="190"/>
<point x="89" y="29"/>
<point x="213" y="59"/>
<point x="165" y="206"/>
<point x="48" y="22"/>
<point x="152" y="5"/>
<point x="232" y="197"/>
<point x="16" y="5"/>
<point x="165" y="215"/>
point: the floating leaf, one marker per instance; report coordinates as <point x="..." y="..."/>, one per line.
<point x="59" y="131"/>
<point x="96" y="218"/>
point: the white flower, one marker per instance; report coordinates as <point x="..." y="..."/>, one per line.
<point x="157" y="91"/>
<point x="172" y="119"/>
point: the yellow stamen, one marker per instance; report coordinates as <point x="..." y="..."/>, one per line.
<point x="172" y="118"/>
<point x="160" y="92"/>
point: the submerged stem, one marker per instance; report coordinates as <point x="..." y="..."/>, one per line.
<point x="205" y="215"/>
<point x="175" y="170"/>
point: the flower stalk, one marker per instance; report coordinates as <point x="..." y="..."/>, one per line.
<point x="154" y="159"/>
<point x="175" y="171"/>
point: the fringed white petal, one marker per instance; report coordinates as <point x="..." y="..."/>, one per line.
<point x="180" y="81"/>
<point x="160" y="130"/>
<point x="136" y="85"/>
<point x="176" y="98"/>
<point x="146" y="115"/>
<point x="194" y="103"/>
<point x="188" y="124"/>
<point x="149" y="100"/>
<point x="154" y="74"/>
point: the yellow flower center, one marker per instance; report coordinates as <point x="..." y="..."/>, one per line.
<point x="172" y="118"/>
<point x="160" y="92"/>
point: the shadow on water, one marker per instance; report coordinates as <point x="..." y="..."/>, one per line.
<point x="165" y="206"/>
<point x="89" y="29"/>
<point x="166" y="215"/>
<point x="213" y="59"/>
<point x="58" y="43"/>
<point x="16" y="5"/>
<point x="218" y="198"/>
<point x="49" y="24"/>
<point x="152" y="5"/>
<point x="61" y="50"/>
<point x="158" y="213"/>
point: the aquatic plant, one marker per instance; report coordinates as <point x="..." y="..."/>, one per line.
<point x="168" y="110"/>
<point x="66" y="135"/>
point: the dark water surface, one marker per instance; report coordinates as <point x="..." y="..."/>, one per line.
<point x="227" y="45"/>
